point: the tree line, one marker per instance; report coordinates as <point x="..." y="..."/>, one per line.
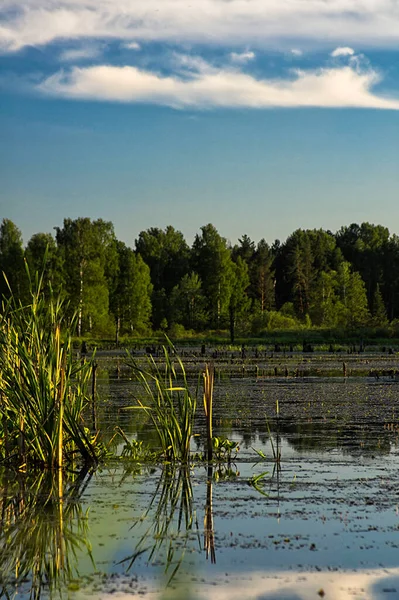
<point x="346" y="280"/>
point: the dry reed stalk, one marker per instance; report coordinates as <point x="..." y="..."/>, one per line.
<point x="209" y="377"/>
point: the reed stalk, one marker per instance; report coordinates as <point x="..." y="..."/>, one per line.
<point x="208" y="377"/>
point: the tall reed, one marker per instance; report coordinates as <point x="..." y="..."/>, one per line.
<point x="43" y="387"/>
<point x="169" y="403"/>
<point x="209" y="376"/>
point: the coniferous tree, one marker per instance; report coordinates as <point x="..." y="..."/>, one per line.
<point x="211" y="259"/>
<point x="379" y="313"/>
<point x="239" y="300"/>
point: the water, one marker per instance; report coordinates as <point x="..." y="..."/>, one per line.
<point x="323" y="520"/>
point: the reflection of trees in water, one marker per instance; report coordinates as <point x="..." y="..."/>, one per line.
<point x="322" y="436"/>
<point x="42" y="528"/>
<point x="349" y="438"/>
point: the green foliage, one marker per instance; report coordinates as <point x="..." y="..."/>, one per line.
<point x="42" y="256"/>
<point x="12" y="262"/>
<point x="223" y="449"/>
<point x="88" y="251"/>
<point x="239" y="301"/>
<point x="345" y="281"/>
<point x="42" y="387"/>
<point x="167" y="255"/>
<point x="130" y="298"/>
<point x="379" y="313"/>
<point x="258" y="482"/>
<point x="169" y="403"/>
<point x="211" y="259"/>
<point x="134" y="450"/>
<point x="187" y="302"/>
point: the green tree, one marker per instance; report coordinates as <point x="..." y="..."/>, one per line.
<point x="301" y="271"/>
<point x="262" y="277"/>
<point x="86" y="248"/>
<point x="356" y="302"/>
<point x="239" y="301"/>
<point x="42" y="256"/>
<point x="364" y="246"/>
<point x="188" y="302"/>
<point x="325" y="309"/>
<point x="379" y="313"/>
<point x="12" y="268"/>
<point x="167" y="255"/>
<point x="352" y="295"/>
<point x="130" y="299"/>
<point x="211" y="259"/>
<point x="390" y="276"/>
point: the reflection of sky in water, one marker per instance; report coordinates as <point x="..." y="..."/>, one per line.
<point x="333" y="506"/>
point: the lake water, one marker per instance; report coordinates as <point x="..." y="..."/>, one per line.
<point x="323" y="521"/>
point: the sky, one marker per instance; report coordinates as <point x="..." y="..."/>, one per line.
<point x="259" y="116"/>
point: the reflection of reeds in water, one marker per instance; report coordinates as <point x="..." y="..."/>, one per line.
<point x="42" y="528"/>
<point x="209" y="535"/>
<point x="172" y="524"/>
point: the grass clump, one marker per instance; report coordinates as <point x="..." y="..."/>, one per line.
<point x="43" y="387"/>
<point x="169" y="403"/>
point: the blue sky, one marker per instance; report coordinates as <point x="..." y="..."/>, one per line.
<point x="259" y="116"/>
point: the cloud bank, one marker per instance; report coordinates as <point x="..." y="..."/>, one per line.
<point x="260" y="22"/>
<point x="209" y="87"/>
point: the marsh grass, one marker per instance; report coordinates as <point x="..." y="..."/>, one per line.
<point x="43" y="387"/>
<point x="169" y="403"/>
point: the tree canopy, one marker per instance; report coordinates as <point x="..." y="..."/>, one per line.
<point x="347" y="280"/>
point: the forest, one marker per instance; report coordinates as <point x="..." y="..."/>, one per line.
<point x="345" y="281"/>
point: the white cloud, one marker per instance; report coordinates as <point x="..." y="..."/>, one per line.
<point x="208" y="87"/>
<point x="82" y="53"/>
<point x="260" y="22"/>
<point x="242" y="57"/>
<point x="342" y="51"/>
<point x="296" y="52"/>
<point x="132" y="46"/>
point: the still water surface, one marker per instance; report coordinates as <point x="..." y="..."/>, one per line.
<point x="323" y="521"/>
